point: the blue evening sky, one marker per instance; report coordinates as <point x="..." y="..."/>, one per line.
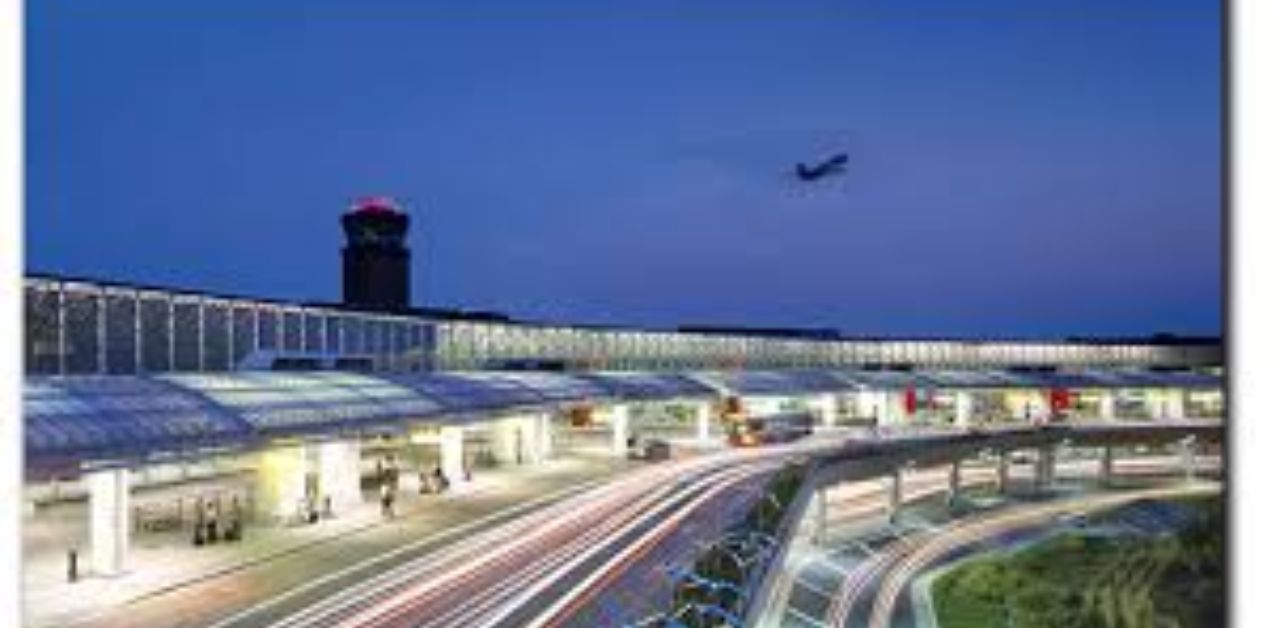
<point x="1017" y="167"/>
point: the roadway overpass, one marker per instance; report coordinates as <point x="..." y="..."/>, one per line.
<point x="866" y="459"/>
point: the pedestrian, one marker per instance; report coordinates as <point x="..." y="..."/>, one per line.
<point x="233" y="528"/>
<point x="387" y="511"/>
<point x="211" y="521"/>
<point x="198" y="540"/>
<point x="441" y="479"/>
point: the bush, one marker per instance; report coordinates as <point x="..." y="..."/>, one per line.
<point x="1075" y="581"/>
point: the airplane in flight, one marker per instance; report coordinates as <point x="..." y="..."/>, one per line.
<point x="834" y="165"/>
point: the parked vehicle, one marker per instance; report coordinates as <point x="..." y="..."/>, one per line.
<point x="777" y="428"/>
<point x="657" y="450"/>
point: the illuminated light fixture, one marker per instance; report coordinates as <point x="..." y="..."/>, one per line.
<point x="376" y="205"/>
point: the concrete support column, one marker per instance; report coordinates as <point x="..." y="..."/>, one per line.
<point x="1107" y="406"/>
<point x="620" y="418"/>
<point x="964" y="408"/>
<point x="1002" y="472"/>
<point x="281" y="482"/>
<point x="452" y="443"/>
<point x="1187" y="456"/>
<point x="820" y="516"/>
<point x="953" y="483"/>
<point x="1108" y="465"/>
<point x="542" y="427"/>
<point x="895" y="494"/>
<point x="1154" y="402"/>
<point x="865" y="403"/>
<point x="702" y="417"/>
<point x="108" y="520"/>
<point x="508" y="442"/>
<point x="1045" y="464"/>
<point x="340" y="475"/>
<point x="1176" y="403"/>
<point x="892" y="408"/>
<point x="825" y="406"/>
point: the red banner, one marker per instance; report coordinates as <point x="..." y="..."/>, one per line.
<point x="1059" y="399"/>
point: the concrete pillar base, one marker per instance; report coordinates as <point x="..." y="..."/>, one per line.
<point x="620" y="419"/>
<point x="339" y="476"/>
<point x="1107" y="406"/>
<point x="108" y="520"/>
<point x="452" y="444"/>
<point x="702" y="417"/>
<point x="964" y="408"/>
<point x="543" y="427"/>
<point x="1045" y="467"/>
<point x="953" y="484"/>
<point x="1108" y="465"/>
<point x="820" y="525"/>
<point x="1002" y="473"/>
<point x="1187" y="456"/>
<point x="825" y="406"/>
<point x="895" y="495"/>
<point x="281" y="483"/>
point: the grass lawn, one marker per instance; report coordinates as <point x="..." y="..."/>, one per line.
<point x="1081" y="581"/>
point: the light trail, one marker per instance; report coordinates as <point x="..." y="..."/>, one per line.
<point x="566" y="604"/>
<point x="487" y="579"/>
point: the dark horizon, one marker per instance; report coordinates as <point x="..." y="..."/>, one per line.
<point x="1013" y="172"/>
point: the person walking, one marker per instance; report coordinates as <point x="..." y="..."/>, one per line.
<point x="387" y="498"/>
<point x="198" y="539"/>
<point x="441" y="479"/>
<point x="211" y="521"/>
<point x="233" y="528"/>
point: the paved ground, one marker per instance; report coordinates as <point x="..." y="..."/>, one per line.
<point x="172" y="583"/>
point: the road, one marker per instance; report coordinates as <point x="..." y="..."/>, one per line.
<point x="535" y="570"/>
<point x="540" y="564"/>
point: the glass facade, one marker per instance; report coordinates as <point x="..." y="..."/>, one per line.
<point x="76" y="327"/>
<point x="82" y="332"/>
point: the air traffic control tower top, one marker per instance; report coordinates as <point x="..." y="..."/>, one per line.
<point x="375" y="261"/>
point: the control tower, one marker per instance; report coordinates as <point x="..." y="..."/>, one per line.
<point x="375" y="261"/>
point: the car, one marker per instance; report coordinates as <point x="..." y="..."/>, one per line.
<point x="657" y="450"/>
<point x="1021" y="457"/>
<point x="1072" y="519"/>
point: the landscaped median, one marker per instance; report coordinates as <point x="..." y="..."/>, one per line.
<point x="1111" y="581"/>
<point x="717" y="588"/>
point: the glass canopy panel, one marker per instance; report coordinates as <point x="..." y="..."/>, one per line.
<point x="96" y="417"/>
<point x="776" y="383"/>
<point x="555" y="386"/>
<point x="882" y="380"/>
<point x="273" y="401"/>
<point x="650" y="385"/>
<point x="465" y="392"/>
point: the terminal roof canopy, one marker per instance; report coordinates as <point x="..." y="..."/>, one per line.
<point x="76" y="420"/>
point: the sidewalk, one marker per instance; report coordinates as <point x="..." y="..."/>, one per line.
<point x="166" y="562"/>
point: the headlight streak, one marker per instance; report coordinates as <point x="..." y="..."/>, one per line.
<point x="528" y="554"/>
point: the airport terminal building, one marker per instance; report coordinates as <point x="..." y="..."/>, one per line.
<point x="299" y="404"/>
